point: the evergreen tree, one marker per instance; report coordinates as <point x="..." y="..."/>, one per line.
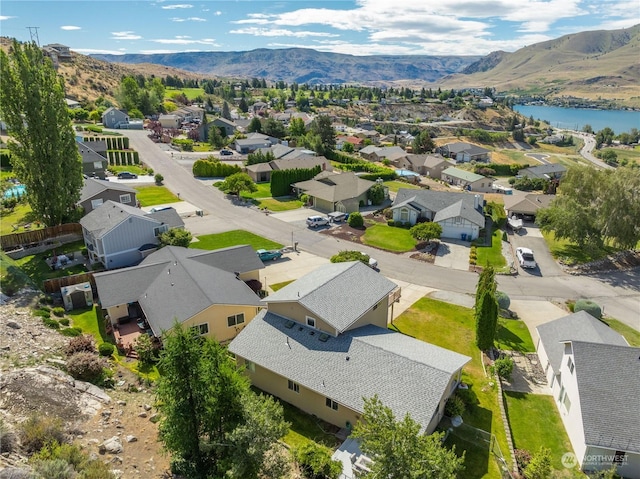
<point x="486" y="309"/>
<point x="226" y="114"/>
<point x="44" y="154"/>
<point x="255" y="125"/>
<point x="323" y="128"/>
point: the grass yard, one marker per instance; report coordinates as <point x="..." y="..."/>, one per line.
<point x="277" y="286"/>
<point x="155" y="195"/>
<point x="453" y="327"/>
<point x="631" y="335"/>
<point x="135" y="169"/>
<point x="283" y="203"/>
<point x="190" y="93"/>
<point x="38" y="270"/>
<point x="263" y="191"/>
<point x="570" y="253"/>
<point x="202" y="147"/>
<point x="12" y="277"/>
<point x="389" y="238"/>
<point x="526" y="412"/>
<point x="395" y="185"/>
<point x="514" y="335"/>
<point x="20" y="215"/>
<point x="491" y="255"/>
<point x="233" y="238"/>
<point x="305" y="428"/>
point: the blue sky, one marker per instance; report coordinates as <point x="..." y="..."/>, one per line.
<point x="360" y="27"/>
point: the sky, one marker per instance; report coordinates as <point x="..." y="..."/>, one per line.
<point x="358" y="27"/>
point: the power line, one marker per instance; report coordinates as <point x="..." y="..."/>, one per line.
<point x="33" y="32"/>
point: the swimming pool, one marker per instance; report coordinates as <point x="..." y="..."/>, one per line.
<point x="406" y="173"/>
<point x="18" y="190"/>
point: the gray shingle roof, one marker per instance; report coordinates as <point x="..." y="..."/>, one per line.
<point x="177" y="283"/>
<point x="428" y="161"/>
<point x="529" y="204"/>
<point x="541" y="170"/>
<point x="408" y="375"/>
<point x="442" y="201"/>
<point x="463" y="210"/>
<point x="335" y="187"/>
<point x="338" y="293"/>
<point x="92" y="187"/>
<point x="462" y="174"/>
<point x="459" y="147"/>
<point x="580" y="326"/>
<point x="108" y="215"/>
<point x="169" y="217"/>
<point x="608" y="378"/>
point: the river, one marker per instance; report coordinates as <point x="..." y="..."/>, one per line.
<point x="619" y="121"/>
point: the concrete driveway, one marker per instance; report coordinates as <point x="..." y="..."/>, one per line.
<point x="453" y="254"/>
<point x="531" y="237"/>
<point x="535" y="313"/>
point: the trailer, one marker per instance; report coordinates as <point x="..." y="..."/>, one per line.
<point x="515" y="223"/>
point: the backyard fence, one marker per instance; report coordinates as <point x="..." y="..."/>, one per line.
<point x="14" y="240"/>
<point x="54" y="285"/>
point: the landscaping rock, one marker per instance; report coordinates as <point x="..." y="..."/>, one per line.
<point x="111" y="446"/>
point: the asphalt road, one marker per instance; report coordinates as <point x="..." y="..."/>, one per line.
<point x="618" y="293"/>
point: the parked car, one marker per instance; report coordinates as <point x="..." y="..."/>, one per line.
<point x="372" y="262"/>
<point x="525" y="258"/>
<point x="226" y="152"/>
<point x="272" y="254"/>
<point x="127" y="175"/>
<point x="316" y="220"/>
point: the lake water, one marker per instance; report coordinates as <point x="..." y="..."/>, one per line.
<point x="619" y="121"/>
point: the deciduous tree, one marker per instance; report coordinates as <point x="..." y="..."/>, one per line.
<point x="423" y="143"/>
<point x="323" y="128"/>
<point x="237" y="183"/>
<point x="44" y="152"/>
<point x="176" y="237"/>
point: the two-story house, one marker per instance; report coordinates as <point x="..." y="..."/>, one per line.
<point x="467" y="180"/>
<point x="96" y="192"/>
<point x="94" y="164"/>
<point x="323" y="345"/>
<point x="118" y="235"/>
<point x="114" y="118"/>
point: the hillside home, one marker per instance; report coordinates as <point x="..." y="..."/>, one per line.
<point x="200" y="289"/>
<point x="119" y="235"/>
<point x="551" y="171"/>
<point x="464" y="152"/>
<point x="114" y="118"/>
<point x="170" y="121"/>
<point x="594" y="377"/>
<point x="323" y="345"/>
<point x="426" y="164"/>
<point x="95" y="192"/>
<point x="459" y="214"/>
<point x="466" y="180"/>
<point x="330" y="192"/>
<point x="261" y="172"/>
<point x="253" y="142"/>
<point x="226" y="126"/>
<point x="526" y="206"/>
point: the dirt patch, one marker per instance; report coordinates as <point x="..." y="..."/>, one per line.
<point x="621" y="261"/>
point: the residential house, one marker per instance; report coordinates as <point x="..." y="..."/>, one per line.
<point x="58" y="53"/>
<point x="526" y="206"/>
<point x="357" y="143"/>
<point x="95" y="192"/>
<point x="464" y="152"/>
<point x="595" y="382"/>
<point x="426" y="165"/>
<point x="119" y="235"/>
<point x="323" y="345"/>
<point x="253" y="142"/>
<point x="485" y="102"/>
<point x="467" y="180"/>
<point x="72" y="104"/>
<point x="93" y="163"/>
<point x="190" y="114"/>
<point x="459" y="214"/>
<point x="114" y="118"/>
<point x="367" y="134"/>
<point x="261" y="172"/>
<point x="226" y="126"/>
<point x="379" y="153"/>
<point x="330" y="192"/>
<point x="170" y="121"/>
<point x="550" y="171"/>
<point x="207" y="290"/>
<point x="278" y="151"/>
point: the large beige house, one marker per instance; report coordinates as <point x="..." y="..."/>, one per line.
<point x="323" y="345"/>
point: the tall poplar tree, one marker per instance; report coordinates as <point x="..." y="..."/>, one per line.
<point x="44" y="152"/>
<point x="486" y="309"/>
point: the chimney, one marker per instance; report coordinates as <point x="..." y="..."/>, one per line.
<point x="476" y="201"/>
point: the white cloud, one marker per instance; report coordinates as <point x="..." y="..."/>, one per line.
<point x="266" y="32"/>
<point x="188" y="19"/>
<point x="125" y="36"/>
<point x="186" y="41"/>
<point x="217" y="13"/>
<point x="153" y="52"/>
<point x="70" y="27"/>
<point x="5" y="17"/>
<point x="176" y="6"/>
<point x="89" y="51"/>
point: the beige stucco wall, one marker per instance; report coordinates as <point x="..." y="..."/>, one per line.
<point x="116" y="312"/>
<point x="299" y="313"/>
<point x="378" y="316"/>
<point x="216" y="317"/>
<point x="323" y="205"/>
<point x="255" y="274"/>
<point x="307" y="400"/>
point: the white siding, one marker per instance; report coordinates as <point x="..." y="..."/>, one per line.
<point x="598" y="458"/>
<point x="454" y="228"/>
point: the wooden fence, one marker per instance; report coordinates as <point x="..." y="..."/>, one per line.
<point x="38" y="236"/>
<point x="55" y="284"/>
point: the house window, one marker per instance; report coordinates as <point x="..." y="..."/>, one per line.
<point x="96" y="203"/>
<point x="125" y="198"/>
<point x="97" y="165"/>
<point x="235" y="320"/>
<point x="251" y="366"/>
<point x="157" y="231"/>
<point x="561" y="395"/>
<point x="619" y="456"/>
<point x="311" y="322"/>
<point x="332" y="404"/>
<point x="295" y="387"/>
<point x="567" y="402"/>
<point x="202" y="329"/>
<point x="570" y="365"/>
<point x="404" y="215"/>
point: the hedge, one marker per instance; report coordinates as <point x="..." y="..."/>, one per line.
<point x="213" y="169"/>
<point x="113" y="142"/>
<point x="500" y="170"/>
<point x="281" y="180"/>
<point x="123" y="157"/>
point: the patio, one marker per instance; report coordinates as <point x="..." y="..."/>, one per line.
<point x="126" y="335"/>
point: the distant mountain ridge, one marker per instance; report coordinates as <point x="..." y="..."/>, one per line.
<point x="303" y="65"/>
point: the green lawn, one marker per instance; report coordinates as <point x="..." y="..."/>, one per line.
<point x="284" y="203"/>
<point x="453" y="327"/>
<point x="277" y="286"/>
<point x="395" y="185"/>
<point x="263" y="191"/>
<point x="155" y="195"/>
<point x="190" y="93"/>
<point x="526" y="412"/>
<point x="12" y="277"/>
<point x="631" y="335"/>
<point x="91" y="322"/>
<point x="20" y="215"/>
<point x="491" y="254"/>
<point x="389" y="238"/>
<point x="37" y="269"/>
<point x="570" y="253"/>
<point x="305" y="428"/>
<point x="136" y="169"/>
<point x="514" y="335"/>
<point x="202" y="147"/>
<point x="233" y="238"/>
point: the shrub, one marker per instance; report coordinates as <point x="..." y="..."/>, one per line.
<point x="8" y="439"/>
<point x="503" y="300"/>
<point x="523" y="457"/>
<point x="316" y="462"/>
<point x="454" y="406"/>
<point x="589" y="306"/>
<point x="85" y="366"/>
<point x="71" y="332"/>
<point x="64" y="321"/>
<point x="51" y="323"/>
<point x="58" y="311"/>
<point x="505" y="237"/>
<point x="106" y="349"/>
<point x="69" y="453"/>
<point x="158" y="178"/>
<point x="42" y="312"/>
<point x="144" y="348"/>
<point x="356" y="220"/>
<point x="37" y="431"/>
<point x="80" y="344"/>
<point x="503" y="367"/>
<point x="54" y="469"/>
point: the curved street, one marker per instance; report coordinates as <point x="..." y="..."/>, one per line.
<point x="618" y="292"/>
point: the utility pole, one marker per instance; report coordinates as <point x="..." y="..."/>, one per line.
<point x="33" y="32"/>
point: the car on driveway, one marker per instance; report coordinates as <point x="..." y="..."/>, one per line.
<point x="525" y="258"/>
<point x="269" y="255"/>
<point x="315" y="221"/>
<point x="127" y="175"/>
<point x="226" y="152"/>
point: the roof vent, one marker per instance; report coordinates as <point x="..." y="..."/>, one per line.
<point x="323" y="337"/>
<point x="300" y="328"/>
<point x="289" y="324"/>
<point x="347" y="358"/>
<point x="311" y="333"/>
